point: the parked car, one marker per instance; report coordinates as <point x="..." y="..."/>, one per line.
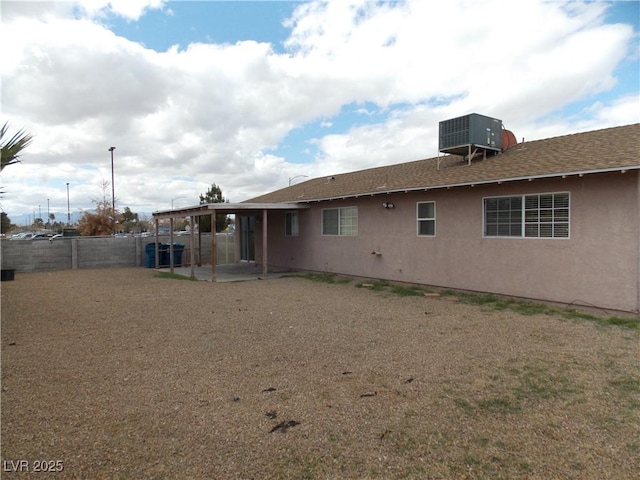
<point x="22" y="236"/>
<point x="41" y="236"/>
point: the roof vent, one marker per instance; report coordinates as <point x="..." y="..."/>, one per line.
<point x="471" y="135"/>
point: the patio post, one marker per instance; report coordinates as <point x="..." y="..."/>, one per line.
<point x="214" y="247"/>
<point x="199" y="242"/>
<point x="156" y="249"/>
<point x="192" y="222"/>
<point x="171" y="244"/>
<point x="264" y="243"/>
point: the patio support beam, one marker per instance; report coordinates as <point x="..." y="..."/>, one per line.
<point x="157" y="249"/>
<point x="192" y="244"/>
<point x="214" y="247"/>
<point x="264" y="243"/>
<point x="199" y="241"/>
<point x="171" y="244"/>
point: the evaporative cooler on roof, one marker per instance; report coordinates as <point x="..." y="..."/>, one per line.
<point x="470" y="135"/>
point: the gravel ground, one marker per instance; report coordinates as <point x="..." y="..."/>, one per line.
<point x="117" y="373"/>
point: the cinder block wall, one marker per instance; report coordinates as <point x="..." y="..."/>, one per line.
<point x="25" y="255"/>
<point x="103" y="252"/>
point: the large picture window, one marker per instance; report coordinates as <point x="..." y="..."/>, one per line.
<point x="532" y="216"/>
<point x="291" y="224"/>
<point x="340" y="221"/>
<point x="427" y="219"/>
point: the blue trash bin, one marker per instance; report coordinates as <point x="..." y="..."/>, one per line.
<point x="163" y="255"/>
<point x="178" y="248"/>
<point x="150" y="250"/>
<point x="163" y="248"/>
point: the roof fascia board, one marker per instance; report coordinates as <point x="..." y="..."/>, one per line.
<point x="471" y="184"/>
<point x="211" y="208"/>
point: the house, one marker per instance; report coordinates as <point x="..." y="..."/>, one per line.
<point x="554" y="220"/>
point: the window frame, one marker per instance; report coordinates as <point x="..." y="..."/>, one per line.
<point x="526" y="217"/>
<point x="425" y="219"/>
<point x="291" y="224"/>
<point x="340" y="221"/>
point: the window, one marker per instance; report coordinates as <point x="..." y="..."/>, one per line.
<point x="291" y="224"/>
<point x="427" y="219"/>
<point x="503" y="217"/>
<point x="547" y="216"/>
<point x="531" y="216"/>
<point x="340" y="221"/>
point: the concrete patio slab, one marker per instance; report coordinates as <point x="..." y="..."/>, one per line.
<point x="234" y="272"/>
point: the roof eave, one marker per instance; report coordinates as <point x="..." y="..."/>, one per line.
<point x="213" y="208"/>
<point x="579" y="173"/>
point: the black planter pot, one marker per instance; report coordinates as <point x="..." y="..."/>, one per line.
<point x="8" y="274"/>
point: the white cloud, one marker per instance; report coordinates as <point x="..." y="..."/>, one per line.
<point x="186" y="118"/>
<point x="129" y="9"/>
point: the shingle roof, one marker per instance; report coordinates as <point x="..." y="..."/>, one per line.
<point x="610" y="149"/>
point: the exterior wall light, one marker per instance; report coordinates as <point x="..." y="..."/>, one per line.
<point x="388" y="205"/>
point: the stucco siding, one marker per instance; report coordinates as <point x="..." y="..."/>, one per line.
<point x="597" y="265"/>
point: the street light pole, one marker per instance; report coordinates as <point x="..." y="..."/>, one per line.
<point x="175" y="199"/>
<point x="113" y="191"/>
<point x="68" y="209"/>
<point x="48" y="215"/>
<point x="297" y="176"/>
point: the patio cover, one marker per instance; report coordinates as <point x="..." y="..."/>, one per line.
<point x="213" y="209"/>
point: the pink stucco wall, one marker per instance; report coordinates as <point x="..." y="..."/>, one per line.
<point x="598" y="264"/>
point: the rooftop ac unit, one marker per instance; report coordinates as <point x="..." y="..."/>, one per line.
<point x="459" y="135"/>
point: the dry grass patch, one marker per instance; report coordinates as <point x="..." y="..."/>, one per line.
<point x="121" y="374"/>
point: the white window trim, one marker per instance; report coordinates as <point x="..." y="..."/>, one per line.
<point x="522" y="235"/>
<point x="418" y="219"/>
<point x="339" y="234"/>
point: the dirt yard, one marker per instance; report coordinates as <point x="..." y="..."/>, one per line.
<point x="117" y="373"/>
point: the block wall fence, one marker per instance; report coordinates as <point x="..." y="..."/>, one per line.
<point x="104" y="252"/>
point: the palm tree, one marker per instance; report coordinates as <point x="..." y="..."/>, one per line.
<point x="11" y="149"/>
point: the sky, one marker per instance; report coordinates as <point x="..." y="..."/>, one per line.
<point x="253" y="96"/>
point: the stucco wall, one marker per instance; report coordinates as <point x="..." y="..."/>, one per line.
<point x="597" y="265"/>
